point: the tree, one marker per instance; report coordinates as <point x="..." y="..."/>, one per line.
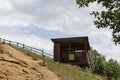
<point x="97" y="61"/>
<point x="112" y="69"/>
<point x="94" y="55"/>
<point x="100" y="66"/>
<point x="110" y="18"/>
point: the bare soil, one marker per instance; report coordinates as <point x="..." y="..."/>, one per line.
<point x="14" y="65"/>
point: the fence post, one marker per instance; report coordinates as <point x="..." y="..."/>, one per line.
<point x="17" y="44"/>
<point x="9" y="42"/>
<point x="43" y="56"/>
<point x="0" y="40"/>
<point x="42" y="52"/>
<point x="31" y="49"/>
<point x="23" y="46"/>
<point x="3" y="41"/>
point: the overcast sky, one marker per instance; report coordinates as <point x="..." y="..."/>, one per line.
<point x="35" y="22"/>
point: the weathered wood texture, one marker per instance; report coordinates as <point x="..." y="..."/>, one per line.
<point x="72" y="50"/>
<point x="57" y="50"/>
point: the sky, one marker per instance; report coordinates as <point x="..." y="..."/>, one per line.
<point x="35" y="22"/>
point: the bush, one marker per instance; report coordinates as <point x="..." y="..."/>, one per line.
<point x="112" y="70"/>
<point x="100" y="66"/>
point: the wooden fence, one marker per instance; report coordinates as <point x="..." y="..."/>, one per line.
<point x="20" y="45"/>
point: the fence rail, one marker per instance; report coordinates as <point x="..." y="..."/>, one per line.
<point x="29" y="48"/>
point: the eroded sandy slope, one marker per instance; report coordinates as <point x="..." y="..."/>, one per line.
<point x="14" y="65"/>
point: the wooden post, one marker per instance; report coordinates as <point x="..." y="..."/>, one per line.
<point x="23" y="46"/>
<point x="3" y="41"/>
<point x="9" y="42"/>
<point x="17" y="44"/>
<point x="86" y="55"/>
<point x="42" y="52"/>
<point x="43" y="57"/>
<point x="0" y="40"/>
<point x="57" y="52"/>
<point x="69" y="47"/>
<point x="31" y="49"/>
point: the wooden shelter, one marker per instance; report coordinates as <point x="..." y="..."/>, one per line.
<point x="72" y="50"/>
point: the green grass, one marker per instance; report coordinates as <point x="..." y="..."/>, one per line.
<point x="70" y="72"/>
<point x="1" y="49"/>
<point x="64" y="71"/>
<point x="29" y="53"/>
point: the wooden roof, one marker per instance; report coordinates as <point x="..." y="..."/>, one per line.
<point x="72" y="39"/>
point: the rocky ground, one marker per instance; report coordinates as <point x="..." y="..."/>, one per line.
<point x="14" y="65"/>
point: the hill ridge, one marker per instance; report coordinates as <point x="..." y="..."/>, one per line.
<point x="26" y="47"/>
<point x="14" y="65"/>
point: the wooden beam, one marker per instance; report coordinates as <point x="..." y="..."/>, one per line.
<point x="69" y="47"/>
<point x="57" y="52"/>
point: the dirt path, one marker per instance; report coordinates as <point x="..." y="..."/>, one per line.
<point x="14" y="65"/>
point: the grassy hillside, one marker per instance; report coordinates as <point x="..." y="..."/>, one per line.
<point x="64" y="71"/>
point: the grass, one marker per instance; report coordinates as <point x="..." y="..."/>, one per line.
<point x="64" y="71"/>
<point x="1" y="49"/>
<point x="29" y="53"/>
<point x="70" y="72"/>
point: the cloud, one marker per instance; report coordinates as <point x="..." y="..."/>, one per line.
<point x="113" y="53"/>
<point x="56" y="15"/>
<point x="22" y="35"/>
<point x="53" y="15"/>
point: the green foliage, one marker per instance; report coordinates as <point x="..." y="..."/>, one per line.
<point x="97" y="62"/>
<point x="112" y="70"/>
<point x="110" y="18"/>
<point x="100" y="66"/>
<point x="94" y="56"/>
